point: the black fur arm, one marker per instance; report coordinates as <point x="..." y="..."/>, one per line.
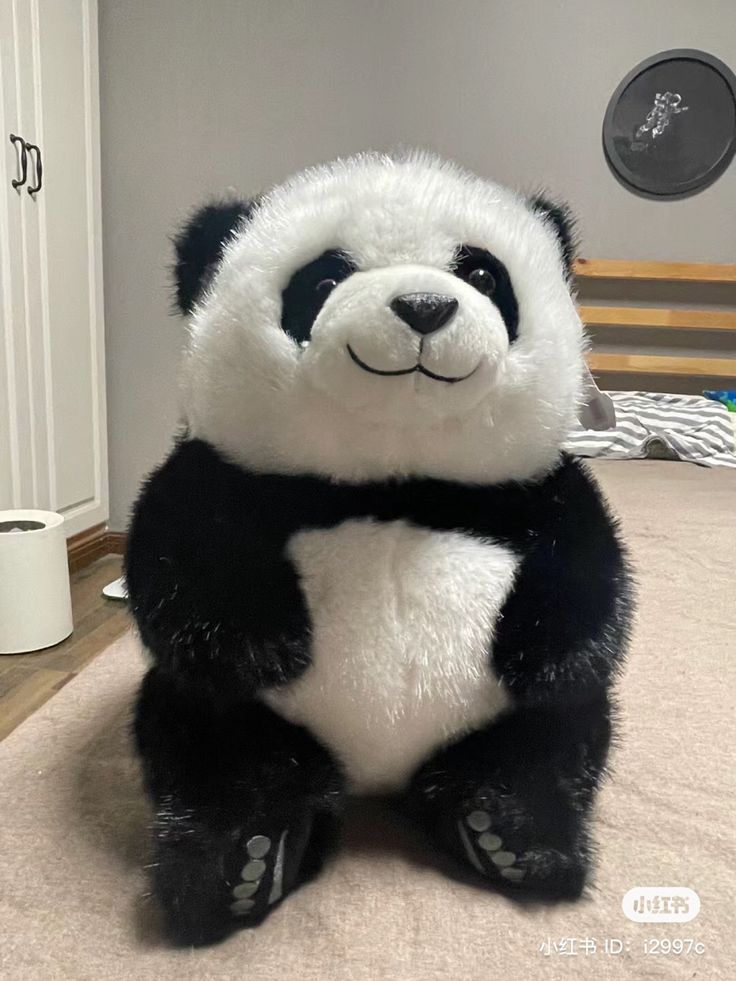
<point x="564" y="628"/>
<point x="213" y="593"/>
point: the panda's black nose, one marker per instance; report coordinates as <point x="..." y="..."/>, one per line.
<point x="424" y="312"/>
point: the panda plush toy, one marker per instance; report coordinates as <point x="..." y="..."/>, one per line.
<point x="367" y="567"/>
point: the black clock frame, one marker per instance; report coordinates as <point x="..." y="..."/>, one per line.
<point x="642" y="185"/>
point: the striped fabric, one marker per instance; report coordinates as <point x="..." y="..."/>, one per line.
<point x="652" y="424"/>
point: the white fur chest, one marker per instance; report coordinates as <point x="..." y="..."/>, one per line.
<point x="402" y="626"/>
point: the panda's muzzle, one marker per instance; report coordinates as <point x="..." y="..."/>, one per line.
<point x="424" y="313"/>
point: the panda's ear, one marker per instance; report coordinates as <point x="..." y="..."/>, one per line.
<point x="199" y="245"/>
<point x="562" y="221"/>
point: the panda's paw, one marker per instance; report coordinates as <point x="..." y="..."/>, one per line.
<point x="210" y="884"/>
<point x="507" y="853"/>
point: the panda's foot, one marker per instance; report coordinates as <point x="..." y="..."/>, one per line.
<point x="210" y="884"/>
<point x="506" y="848"/>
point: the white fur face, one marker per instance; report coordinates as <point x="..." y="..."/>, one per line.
<point x="357" y="317"/>
<point x="354" y="393"/>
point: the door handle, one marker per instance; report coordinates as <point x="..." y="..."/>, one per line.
<point x="39" y="168"/>
<point x="23" y="160"/>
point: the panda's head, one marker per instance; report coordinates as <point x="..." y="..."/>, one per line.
<point x="382" y="317"/>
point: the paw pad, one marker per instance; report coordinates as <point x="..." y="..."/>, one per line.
<point x="479" y="820"/>
<point x="258" y="847"/>
<point x="244" y="893"/>
<point x="254" y="870"/>
<point x="489" y="842"/>
<point x="487" y="845"/>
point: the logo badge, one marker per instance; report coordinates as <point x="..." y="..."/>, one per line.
<point x="661" y="904"/>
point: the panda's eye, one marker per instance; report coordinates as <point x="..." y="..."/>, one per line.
<point x="487" y="274"/>
<point x="308" y="289"/>
<point x="483" y="280"/>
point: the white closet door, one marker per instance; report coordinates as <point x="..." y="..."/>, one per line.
<point x="9" y="169"/>
<point x="57" y="331"/>
<point x="53" y="446"/>
<point x="20" y="474"/>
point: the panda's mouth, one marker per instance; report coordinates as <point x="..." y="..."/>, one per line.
<point x="417" y="368"/>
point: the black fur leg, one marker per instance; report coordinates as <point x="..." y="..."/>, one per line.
<point x="247" y="808"/>
<point x="512" y="801"/>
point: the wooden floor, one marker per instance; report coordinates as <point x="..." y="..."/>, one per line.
<point x="29" y="680"/>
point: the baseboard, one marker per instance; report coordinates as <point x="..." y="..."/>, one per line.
<point x="88" y="546"/>
<point x="116" y="542"/>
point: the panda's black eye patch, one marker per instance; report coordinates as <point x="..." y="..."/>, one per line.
<point x="308" y="289"/>
<point x="487" y="274"/>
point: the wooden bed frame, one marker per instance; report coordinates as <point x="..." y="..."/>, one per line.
<point x="660" y="317"/>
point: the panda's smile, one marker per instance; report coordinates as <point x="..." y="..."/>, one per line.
<point x="417" y="368"/>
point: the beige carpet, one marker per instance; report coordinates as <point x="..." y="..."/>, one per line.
<point x="73" y="820"/>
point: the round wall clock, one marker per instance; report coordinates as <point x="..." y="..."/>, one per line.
<point x="670" y="127"/>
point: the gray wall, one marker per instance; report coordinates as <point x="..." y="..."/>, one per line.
<point x="518" y="90"/>
<point x="199" y="97"/>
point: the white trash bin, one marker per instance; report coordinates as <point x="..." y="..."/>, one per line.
<point x="35" y="599"/>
